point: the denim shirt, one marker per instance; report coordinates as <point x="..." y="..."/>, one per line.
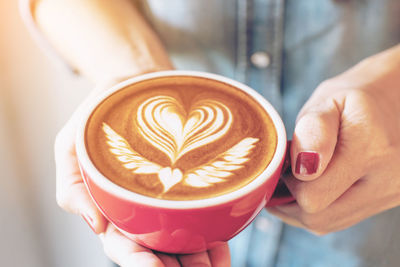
<point x="284" y="49"/>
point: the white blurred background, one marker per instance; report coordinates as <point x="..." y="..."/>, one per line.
<point x="36" y="97"/>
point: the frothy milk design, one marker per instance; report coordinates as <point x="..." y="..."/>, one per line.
<point x="165" y="124"/>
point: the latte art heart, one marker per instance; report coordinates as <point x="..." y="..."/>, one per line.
<point x="165" y="124"/>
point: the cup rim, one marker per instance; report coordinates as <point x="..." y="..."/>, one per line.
<point x="100" y="180"/>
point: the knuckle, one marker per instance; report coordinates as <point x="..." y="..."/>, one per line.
<point x="312" y="223"/>
<point x="334" y="85"/>
<point x="309" y="202"/>
<point x="59" y="141"/>
<point x="370" y="129"/>
<point x="63" y="140"/>
<point x="326" y="84"/>
<point x="62" y="200"/>
<point x="312" y="208"/>
<point x="319" y="232"/>
<point x="362" y="97"/>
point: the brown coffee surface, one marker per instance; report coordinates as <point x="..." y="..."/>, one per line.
<point x="180" y="138"/>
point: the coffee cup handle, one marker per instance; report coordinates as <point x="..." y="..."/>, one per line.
<point x="282" y="194"/>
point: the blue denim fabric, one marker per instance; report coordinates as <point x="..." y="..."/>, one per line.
<point x="308" y="41"/>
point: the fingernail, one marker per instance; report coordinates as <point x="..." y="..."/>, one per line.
<point x="307" y="163"/>
<point x="89" y="221"/>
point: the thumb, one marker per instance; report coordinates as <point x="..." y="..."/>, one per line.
<point x="314" y="139"/>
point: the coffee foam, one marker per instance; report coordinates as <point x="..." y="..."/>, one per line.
<point x="165" y="124"/>
<point x="180" y="138"/>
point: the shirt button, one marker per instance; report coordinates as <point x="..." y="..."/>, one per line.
<point x="260" y="60"/>
<point x="263" y="224"/>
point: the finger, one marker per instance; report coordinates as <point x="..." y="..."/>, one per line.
<point x="126" y="252"/>
<point x="314" y="139"/>
<point x="168" y="260"/>
<point x="220" y="256"/>
<point x="344" y="170"/>
<point x="286" y="216"/>
<point x="355" y="205"/>
<point x="71" y="192"/>
<point x="195" y="260"/>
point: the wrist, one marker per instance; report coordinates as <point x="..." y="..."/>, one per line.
<point x="99" y="39"/>
<point x="124" y="75"/>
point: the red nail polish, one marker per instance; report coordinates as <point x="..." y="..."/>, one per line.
<point x="89" y="221"/>
<point x="307" y="163"/>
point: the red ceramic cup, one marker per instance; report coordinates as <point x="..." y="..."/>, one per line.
<point x="182" y="226"/>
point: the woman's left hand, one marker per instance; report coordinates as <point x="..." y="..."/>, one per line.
<point x="72" y="196"/>
<point x="346" y="148"/>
